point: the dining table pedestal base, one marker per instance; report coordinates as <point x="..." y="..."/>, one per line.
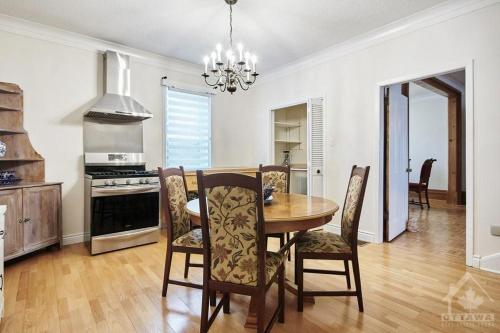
<point x="251" y="320"/>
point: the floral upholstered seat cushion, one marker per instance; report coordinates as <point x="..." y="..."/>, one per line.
<point x="273" y="262"/>
<point x="276" y="179"/>
<point x="177" y="200"/>
<point x="191" y="239"/>
<point x="322" y="242"/>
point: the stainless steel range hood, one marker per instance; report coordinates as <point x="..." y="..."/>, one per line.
<point x="116" y="104"/>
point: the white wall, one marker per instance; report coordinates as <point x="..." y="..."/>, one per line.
<point x="349" y="84"/>
<point x="428" y="136"/>
<point x="60" y="82"/>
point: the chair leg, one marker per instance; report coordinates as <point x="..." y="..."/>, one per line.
<point x="186" y="265"/>
<point x="427" y="198"/>
<point x="204" y="311"/>
<point x="295" y="266"/>
<point x="300" y="283"/>
<point x="347" y="274"/>
<point x="213" y="298"/>
<point x="282" y="240"/>
<point x="226" y="306"/>
<point x="281" y="295"/>
<point x="420" y="200"/>
<point x="357" y="281"/>
<point x="166" y="273"/>
<point x="261" y="312"/>
<point x="289" y="252"/>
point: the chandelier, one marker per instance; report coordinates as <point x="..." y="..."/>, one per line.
<point x="234" y="70"/>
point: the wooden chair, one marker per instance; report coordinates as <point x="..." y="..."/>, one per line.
<point x="328" y="246"/>
<point x="279" y="177"/>
<point x="181" y="237"/>
<point x="234" y="256"/>
<point x="423" y="184"/>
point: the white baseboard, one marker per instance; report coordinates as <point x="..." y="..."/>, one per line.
<point x="362" y="235"/>
<point x="73" y="238"/>
<point x="476" y="261"/>
<point x="490" y="263"/>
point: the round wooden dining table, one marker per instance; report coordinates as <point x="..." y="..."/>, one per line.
<point x="288" y="212"/>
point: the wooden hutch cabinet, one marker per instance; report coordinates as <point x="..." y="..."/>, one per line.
<point x="33" y="216"/>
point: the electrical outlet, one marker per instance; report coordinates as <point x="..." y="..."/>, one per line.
<point x="495" y="230"/>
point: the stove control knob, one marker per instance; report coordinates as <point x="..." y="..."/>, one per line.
<point x="142" y="181"/>
<point x="148" y="181"/>
<point x="113" y="182"/>
<point x="108" y="182"/>
<point x="127" y="182"/>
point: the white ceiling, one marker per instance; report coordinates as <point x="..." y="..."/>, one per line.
<point x="279" y="31"/>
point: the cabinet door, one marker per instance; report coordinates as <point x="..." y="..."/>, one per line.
<point x="41" y="212"/>
<point x="13" y="199"/>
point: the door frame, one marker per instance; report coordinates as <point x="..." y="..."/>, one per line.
<point x="270" y="150"/>
<point x="454" y="109"/>
<point x="468" y="66"/>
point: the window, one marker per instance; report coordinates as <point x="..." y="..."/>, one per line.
<point x="188" y="129"/>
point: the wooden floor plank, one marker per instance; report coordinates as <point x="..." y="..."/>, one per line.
<point x="404" y="283"/>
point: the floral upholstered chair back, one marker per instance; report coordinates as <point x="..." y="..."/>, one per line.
<point x="180" y="222"/>
<point x="233" y="224"/>
<point x="277" y="177"/>
<point x="353" y="203"/>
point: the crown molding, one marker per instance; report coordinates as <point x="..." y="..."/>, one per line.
<point x="51" y="34"/>
<point x="428" y="17"/>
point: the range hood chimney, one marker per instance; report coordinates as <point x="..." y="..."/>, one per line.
<point x="116" y="104"/>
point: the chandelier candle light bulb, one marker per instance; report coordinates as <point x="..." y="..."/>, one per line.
<point x="218" y="47"/>
<point x="240" y="49"/>
<point x="205" y="60"/>
<point x="213" y="60"/>
<point x="230" y="74"/>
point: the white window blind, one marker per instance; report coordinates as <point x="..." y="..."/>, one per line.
<point x="188" y="129"/>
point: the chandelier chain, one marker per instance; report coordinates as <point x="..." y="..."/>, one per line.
<point x="231" y="25"/>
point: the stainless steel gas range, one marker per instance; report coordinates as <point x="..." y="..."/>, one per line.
<point x="121" y="202"/>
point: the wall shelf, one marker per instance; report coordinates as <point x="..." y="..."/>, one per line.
<point x="4" y="108"/>
<point x="21" y="159"/>
<point x="288" y="141"/>
<point x="286" y="125"/>
<point x="20" y="156"/>
<point x="4" y="131"/>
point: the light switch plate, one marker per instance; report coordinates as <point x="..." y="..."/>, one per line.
<point x="495" y="230"/>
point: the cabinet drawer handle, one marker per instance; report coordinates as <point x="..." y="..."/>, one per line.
<point x="1" y="278"/>
<point x="2" y="233"/>
<point x="20" y="221"/>
<point x="27" y="220"/>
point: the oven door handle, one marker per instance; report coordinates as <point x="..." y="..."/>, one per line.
<point x="100" y="192"/>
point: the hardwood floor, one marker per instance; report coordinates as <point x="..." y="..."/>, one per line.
<point x="404" y="284"/>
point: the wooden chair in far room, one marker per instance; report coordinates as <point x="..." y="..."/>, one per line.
<point x="423" y="184"/>
<point x="180" y="236"/>
<point x="278" y="177"/>
<point x="235" y="256"/>
<point x="321" y="245"/>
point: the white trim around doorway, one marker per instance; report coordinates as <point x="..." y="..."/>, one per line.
<point x="468" y="66"/>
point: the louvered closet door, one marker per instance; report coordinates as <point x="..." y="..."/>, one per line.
<point x="315" y="114"/>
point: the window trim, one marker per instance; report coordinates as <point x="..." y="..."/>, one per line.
<point x="164" y="113"/>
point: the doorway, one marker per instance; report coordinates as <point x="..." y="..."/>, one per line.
<point x="424" y="122"/>
<point x="297" y="138"/>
